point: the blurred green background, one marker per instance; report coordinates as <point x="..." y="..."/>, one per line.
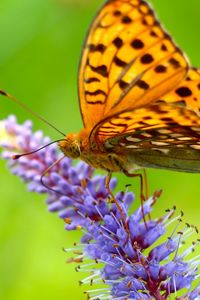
<point x="40" y="47"/>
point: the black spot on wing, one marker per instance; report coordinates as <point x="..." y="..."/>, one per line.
<point x="153" y="33"/>
<point x="117" y="13"/>
<point x="119" y="62"/>
<point x="137" y="44"/>
<point x="123" y="84"/>
<point x="102" y="70"/>
<point x="118" y="42"/>
<point x="147" y="59"/>
<point x="126" y="20"/>
<point x="96" y="102"/>
<point x="91" y="80"/>
<point x="142" y="84"/>
<point x="96" y="93"/>
<point x="164" y="47"/>
<point x="174" y="62"/>
<point x="160" y="69"/>
<point x="167" y="120"/>
<point x="97" y="48"/>
<point x="184" y="92"/>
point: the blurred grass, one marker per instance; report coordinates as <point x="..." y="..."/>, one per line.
<point x="40" y="47"/>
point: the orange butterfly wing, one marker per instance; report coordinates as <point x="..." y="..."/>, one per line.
<point x="128" y="61"/>
<point x="188" y="93"/>
<point x="165" y="134"/>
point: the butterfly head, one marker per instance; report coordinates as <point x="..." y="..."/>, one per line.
<point x="70" y="146"/>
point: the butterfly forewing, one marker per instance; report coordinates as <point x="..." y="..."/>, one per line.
<point x="187" y="94"/>
<point x="128" y="61"/>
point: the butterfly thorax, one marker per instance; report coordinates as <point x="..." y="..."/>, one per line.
<point x="78" y="146"/>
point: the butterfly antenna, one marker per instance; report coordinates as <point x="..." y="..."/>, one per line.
<point x="3" y="93"/>
<point x="17" y="156"/>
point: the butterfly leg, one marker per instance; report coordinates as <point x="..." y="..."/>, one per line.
<point x="143" y="182"/>
<point x="114" y="200"/>
<point x="146" y="188"/>
<point x="146" y="185"/>
<point x="46" y="172"/>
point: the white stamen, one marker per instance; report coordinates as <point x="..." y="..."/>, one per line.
<point x="108" y="230"/>
<point x="89" y="278"/>
<point x="174" y="282"/>
<point x="117" y="221"/>
<point x="97" y="209"/>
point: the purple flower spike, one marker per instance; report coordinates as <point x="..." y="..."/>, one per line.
<point x="78" y="193"/>
<point x="137" y="260"/>
<point x="131" y="270"/>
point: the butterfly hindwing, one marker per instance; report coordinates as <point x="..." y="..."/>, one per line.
<point x="164" y="134"/>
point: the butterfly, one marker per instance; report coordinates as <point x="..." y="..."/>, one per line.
<point x="139" y="96"/>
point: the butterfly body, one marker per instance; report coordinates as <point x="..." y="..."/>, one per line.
<point x="139" y="96"/>
<point x="119" y="159"/>
<point x="77" y="146"/>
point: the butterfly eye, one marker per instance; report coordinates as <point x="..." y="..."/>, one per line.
<point x="71" y="146"/>
<point x="75" y="150"/>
